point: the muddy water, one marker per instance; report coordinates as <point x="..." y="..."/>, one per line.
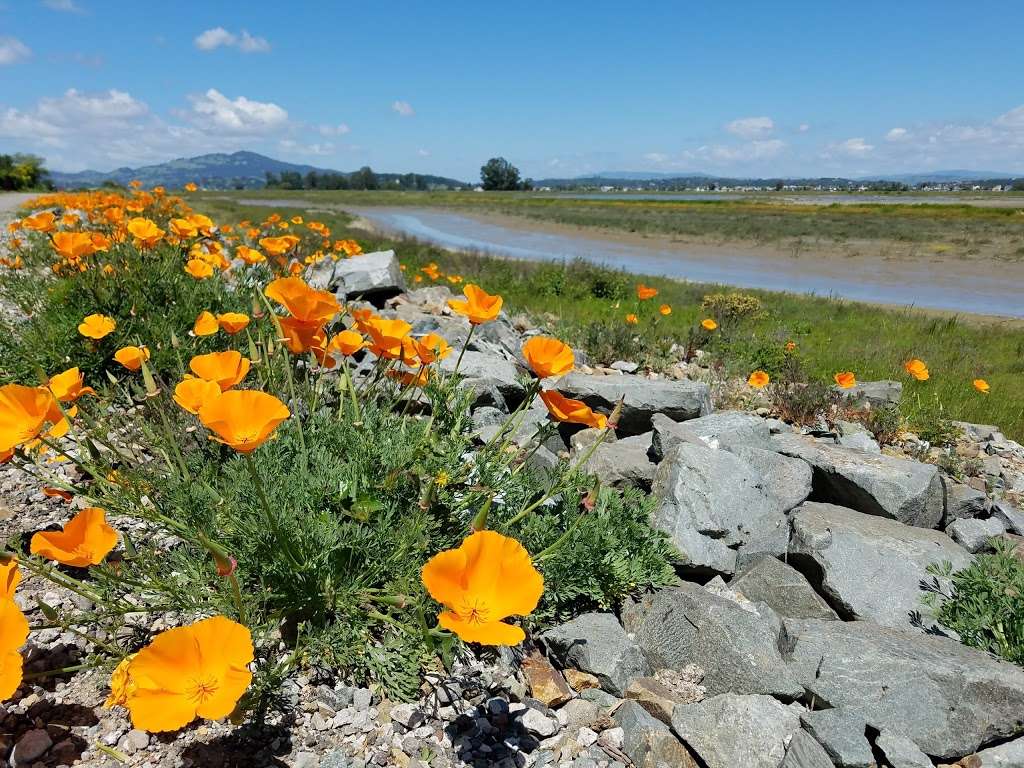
<point x="952" y="286"/>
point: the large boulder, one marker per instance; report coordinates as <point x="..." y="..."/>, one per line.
<point x="367" y="276"/>
<point x="596" y="643"/>
<point x="974" y="534"/>
<point x="623" y="461"/>
<point x="1008" y="755"/>
<point x="730" y="730"/>
<point x="492" y="368"/>
<point x="783" y="588"/>
<point x="841" y="731"/>
<point x="875" y="484"/>
<point x="873" y="394"/>
<point x="715" y="508"/>
<point x="950" y="700"/>
<point x="737" y="647"/>
<point x="962" y="501"/>
<point x="642" y="398"/>
<point x="868" y="567"/>
<point x="730" y="427"/>
<point x="805" y="752"/>
<point x="648" y="742"/>
<point x="785" y="478"/>
<point x="667" y="434"/>
<point x="901" y="752"/>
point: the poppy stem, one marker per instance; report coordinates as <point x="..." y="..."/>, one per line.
<point x="295" y="401"/>
<point x="464" y="348"/>
<point x="351" y="389"/>
<point x="55" y="672"/>
<point x="268" y="512"/>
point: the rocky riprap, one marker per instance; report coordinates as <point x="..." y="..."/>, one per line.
<point x="795" y="637"/>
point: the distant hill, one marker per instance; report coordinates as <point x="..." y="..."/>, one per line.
<point x="238" y="170"/>
<point x="942" y="177"/>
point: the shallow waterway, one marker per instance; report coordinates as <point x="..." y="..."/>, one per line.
<point x="951" y="286"/>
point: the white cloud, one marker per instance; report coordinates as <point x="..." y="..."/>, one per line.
<point x="218" y="37"/>
<point x="334" y="130"/>
<point x="731" y="154"/>
<point x="423" y="152"/>
<point x="65" y="6"/>
<point x="656" y="157"/>
<point x="404" y="108"/>
<point x="855" y="147"/>
<point x="897" y="134"/>
<point x="12" y="50"/>
<point x="1012" y="120"/>
<point x="318" y="149"/>
<point x="751" y="127"/>
<point x="241" y="115"/>
<point x="804" y="127"/>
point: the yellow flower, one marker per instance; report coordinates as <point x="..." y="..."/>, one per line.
<point x="97" y="326"/>
<point x="146" y="233"/>
<point x="758" y="379"/>
<point x="708" y="324"/>
<point x="982" y="386"/>
<point x="665" y="309"/>
<point x="198" y="269"/>
<point x="632" y="319"/>
<point x="132" y="357"/>
<point x="205" y="325"/>
<point x="917" y="369"/>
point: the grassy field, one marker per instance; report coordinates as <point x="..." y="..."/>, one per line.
<point x="587" y="304"/>
<point x="922" y="230"/>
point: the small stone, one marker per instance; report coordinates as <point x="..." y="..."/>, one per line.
<point x="362" y="698"/>
<point x="654" y="697"/>
<point x="586" y="737"/>
<point x="538" y="723"/>
<point x="545" y="683"/>
<point x="139" y="739"/>
<point x="580" y="681"/>
<point x="31" y="746"/>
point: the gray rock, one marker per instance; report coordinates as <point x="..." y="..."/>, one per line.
<point x="738" y="648"/>
<point x="729" y="731"/>
<point x="648" y="742"/>
<point x="624" y="366"/>
<point x="597" y="643"/>
<point x="732" y="427"/>
<point x="870" y="567"/>
<point x="876" y="394"/>
<point x="900" y="751"/>
<point x="1010" y="515"/>
<point x="433" y="298"/>
<point x="495" y="370"/>
<point x="783" y="588"/>
<point x="538" y="723"/>
<point x="947" y="698"/>
<point x="667" y="434"/>
<point x="841" y="732"/>
<point x="875" y="484"/>
<point x="962" y="501"/>
<point x="30" y="747"/>
<point x="642" y="398"/>
<point x="805" y="752"/>
<point x="785" y="478"/>
<point x="860" y="441"/>
<point x="370" y="274"/>
<point x="713" y="505"/>
<point x="622" y="461"/>
<point x="974" y="534"/>
<point x="978" y="433"/>
<point x="1008" y="755"/>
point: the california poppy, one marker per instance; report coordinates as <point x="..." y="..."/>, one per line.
<point x="300" y="336"/>
<point x="488" y="578"/>
<point x="86" y="540"/>
<point x="97" y="326"/>
<point x="243" y="419"/>
<point x="196" y="671"/>
<point x="57" y="493"/>
<point x="132" y="357"/>
<point x="347" y="343"/>
<point x="548" y="356"/>
<point x="304" y="303"/>
<point x="44" y="221"/>
<point x="478" y="306"/>
<point x="192" y="394"/>
<point x="249" y="255"/>
<point x="68" y="386"/>
<point x="410" y="378"/>
<point x="758" y="379"/>
<point x="198" y="269"/>
<point x="279" y="246"/>
<point x="708" y="324"/>
<point x="790" y="346"/>
<point x="645" y="292"/>
<point x="632" y="319"/>
<point x="146" y="233"/>
<point x="183" y="228"/>
<point x="205" y="325"/>
<point x="917" y="369"/>
<point x="431" y="348"/>
<point x="845" y="379"/>
<point x="233" y="322"/>
<point x="24" y="411"/>
<point x="191" y="187"/>
<point x="665" y="310"/>
<point x="982" y="386"/>
<point x="225" y="368"/>
<point x="566" y="409"/>
<point x="74" y="246"/>
<point x="387" y="336"/>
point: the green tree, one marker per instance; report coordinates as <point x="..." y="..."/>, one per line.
<point x="22" y="172"/>
<point x="499" y="174"/>
<point x="364" y="178"/>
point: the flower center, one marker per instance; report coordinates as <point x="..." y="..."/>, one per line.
<point x="202" y="689"/>
<point x="474" y="611"/>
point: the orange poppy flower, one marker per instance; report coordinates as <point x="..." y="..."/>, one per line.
<point x="196" y="671"/>
<point x="192" y="394"/>
<point x="759" y="379"/>
<point x="205" y="325"/>
<point x="40" y="222"/>
<point x="23" y="413"/>
<point x="279" y="246"/>
<point x="845" y="379"/>
<point x="57" y="493"/>
<point x="981" y="385"/>
<point x="708" y="324"/>
<point x="548" y="356"/>
<point x="183" y="228"/>
<point x="478" y="306"/>
<point x="10" y="576"/>
<point x="97" y="326"/>
<point x="410" y="378"/>
<point x="233" y="322"/>
<point x="305" y="304"/>
<point x="665" y="310"/>
<point x="790" y="346"/>
<point x="387" y="336"/>
<point x="10" y="673"/>
<point x="198" y="269"/>
<point x="431" y="348"/>
<point x="204" y="224"/>
<point x="571" y="411"/>
<point x="86" y="540"/>
<point x="645" y="292"/>
<point x="146" y="233"/>
<point x="191" y="187"/>
<point x="132" y="357"/>
<point x="67" y="386"/>
<point x="243" y="419"/>
<point x="488" y="578"/>
<point x="74" y="246"/>
<point x="362" y="318"/>
<point x="249" y="255"/>
<point x="347" y="343"/>
<point x="225" y="368"/>
<point x="632" y="319"/>
<point x="300" y="337"/>
<point x="917" y="369"/>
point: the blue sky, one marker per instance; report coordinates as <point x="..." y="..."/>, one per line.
<point x="559" y="88"/>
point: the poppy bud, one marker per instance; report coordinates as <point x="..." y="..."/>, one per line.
<point x="480" y="520"/>
<point x="613" y="420"/>
<point x="48" y="610"/>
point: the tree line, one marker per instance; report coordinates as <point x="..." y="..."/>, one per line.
<point x="364" y="178"/>
<point x="22" y="172"/>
